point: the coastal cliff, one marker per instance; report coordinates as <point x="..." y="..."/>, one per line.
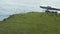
<point x="31" y="23"/>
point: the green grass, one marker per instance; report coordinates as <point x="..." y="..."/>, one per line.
<point x="31" y="23"/>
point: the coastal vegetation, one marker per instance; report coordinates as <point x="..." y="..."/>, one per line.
<point x="31" y="23"/>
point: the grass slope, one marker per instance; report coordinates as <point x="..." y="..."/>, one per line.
<point x="31" y="23"/>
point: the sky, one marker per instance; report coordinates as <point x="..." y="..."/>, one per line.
<point x="8" y="7"/>
<point x="27" y="4"/>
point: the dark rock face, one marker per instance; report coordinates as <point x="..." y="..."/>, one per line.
<point x="4" y="19"/>
<point x="8" y="17"/>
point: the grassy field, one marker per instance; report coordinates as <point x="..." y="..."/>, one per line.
<point x="31" y="23"/>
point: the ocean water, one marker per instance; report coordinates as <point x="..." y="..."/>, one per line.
<point x="10" y="7"/>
